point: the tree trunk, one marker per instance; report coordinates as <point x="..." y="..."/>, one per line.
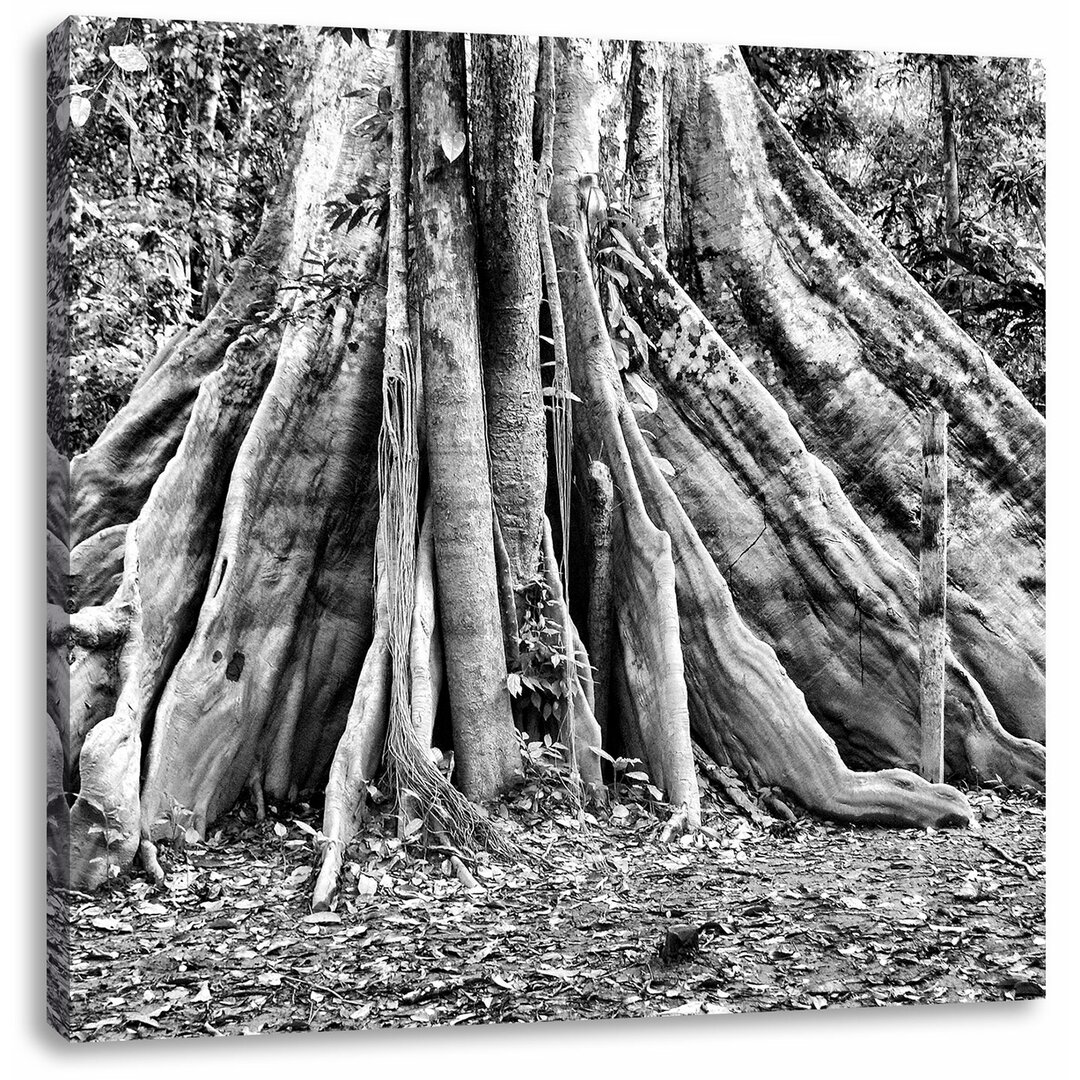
<point x="508" y="261"/>
<point x="645" y="155"/>
<point x="852" y="350"/>
<point x="486" y="749"/>
<point x="948" y="143"/>
<point x="932" y="578"/>
<point x="248" y="568"/>
<point x="751" y="475"/>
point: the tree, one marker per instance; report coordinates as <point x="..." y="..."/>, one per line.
<point x="329" y="507"/>
<point x="154" y="207"/>
<point x="941" y="157"/>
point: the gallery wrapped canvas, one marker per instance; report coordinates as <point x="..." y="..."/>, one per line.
<point x="538" y="528"/>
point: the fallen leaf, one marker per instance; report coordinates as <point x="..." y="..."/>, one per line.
<point x="322" y="917"/>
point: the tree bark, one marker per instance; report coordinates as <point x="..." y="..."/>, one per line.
<point x="852" y="350"/>
<point x="655" y="717"/>
<point x="111" y="481"/>
<point x="601" y="508"/>
<point x="246" y="566"/>
<point x="645" y="156"/>
<point x="950" y="169"/>
<point x="932" y="578"/>
<point x="751" y="529"/>
<point x="487" y="755"/>
<point x="509" y="277"/>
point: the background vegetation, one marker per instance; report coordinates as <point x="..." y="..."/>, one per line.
<point x="182" y="128"/>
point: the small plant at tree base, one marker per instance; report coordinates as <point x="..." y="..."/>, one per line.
<point x="181" y="824"/>
<point x="317" y="837"/>
<point x="108" y="830"/>
<point x="540" y="684"/>
<point x="548" y="778"/>
<point x="621" y="767"/>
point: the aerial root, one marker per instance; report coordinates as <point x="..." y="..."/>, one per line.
<point x="255" y="786"/>
<point x="678" y="824"/>
<point x="457" y="863"/>
<point x="585" y="731"/>
<point x="777" y="807"/>
<point x="151" y="864"/>
<point x="356" y="760"/>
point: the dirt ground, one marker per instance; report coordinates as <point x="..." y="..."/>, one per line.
<point x="808" y="915"/>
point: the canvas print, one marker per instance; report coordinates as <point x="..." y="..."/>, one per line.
<point x="539" y="528"/>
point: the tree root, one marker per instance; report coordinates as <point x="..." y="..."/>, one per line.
<point x="425" y="645"/>
<point x="258" y="794"/>
<point x="676" y="825"/>
<point x="818" y="552"/>
<point x="745" y="708"/>
<point x="644" y="588"/>
<point x="97" y="567"/>
<point x="585" y="730"/>
<point x="151" y="864"/>
<point x="111" y="481"/>
<point x="853" y="350"/>
<point x="734" y="792"/>
<point x="359" y="753"/>
<point x="655" y="716"/>
<point x="601" y="507"/>
<point x="224" y="704"/>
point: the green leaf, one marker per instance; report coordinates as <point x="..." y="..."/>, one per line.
<point x="640" y="340"/>
<point x="453" y="144"/>
<point x="78" y="109"/>
<point x="122" y="113"/>
<point x="632" y="260"/>
<point x="642" y="389"/>
<point x="128" y="57"/>
<point x="552" y="391"/>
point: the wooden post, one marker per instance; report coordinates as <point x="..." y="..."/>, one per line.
<point x="932" y="562"/>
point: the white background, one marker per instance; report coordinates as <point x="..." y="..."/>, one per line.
<point x="1030" y="1040"/>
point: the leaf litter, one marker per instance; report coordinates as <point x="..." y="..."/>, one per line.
<point x="776" y="916"/>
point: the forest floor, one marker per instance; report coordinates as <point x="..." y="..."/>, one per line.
<point x="810" y="915"/>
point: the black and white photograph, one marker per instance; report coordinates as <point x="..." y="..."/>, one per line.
<point x="539" y="527"/>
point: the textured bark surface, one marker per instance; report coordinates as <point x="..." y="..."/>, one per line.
<point x="748" y="491"/>
<point x="487" y="755"/>
<point x="601" y="499"/>
<point x="267" y="493"/>
<point x="284" y="622"/>
<point x="852" y="349"/>
<point x="167" y="558"/>
<point x="645" y="158"/>
<point x="358" y="756"/>
<point x="111" y="481"/>
<point x="508" y="263"/>
<point x="425" y="646"/>
<point x="808" y="575"/>
<point x="649" y="662"/>
<point x="932" y="569"/>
